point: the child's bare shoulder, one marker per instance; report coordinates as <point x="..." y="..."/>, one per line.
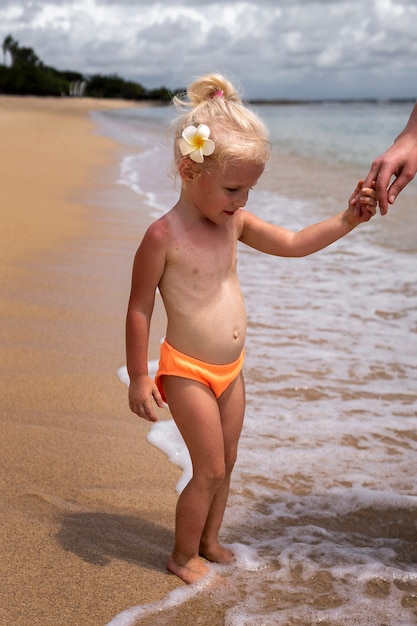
<point x="158" y="233"/>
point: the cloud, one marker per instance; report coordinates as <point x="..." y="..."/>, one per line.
<point x="290" y="48"/>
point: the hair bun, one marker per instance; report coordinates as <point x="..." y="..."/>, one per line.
<point x="209" y="87"/>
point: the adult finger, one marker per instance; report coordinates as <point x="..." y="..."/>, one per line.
<point x="382" y="181"/>
<point x="398" y="185"/>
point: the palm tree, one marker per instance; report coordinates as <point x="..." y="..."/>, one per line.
<point x="19" y="55"/>
<point x="10" y="46"/>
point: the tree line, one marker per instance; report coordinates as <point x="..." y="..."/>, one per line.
<point x="27" y="75"/>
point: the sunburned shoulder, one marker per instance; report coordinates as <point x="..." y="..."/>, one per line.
<point x="158" y="232"/>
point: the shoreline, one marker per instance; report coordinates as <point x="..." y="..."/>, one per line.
<point x="88" y="503"/>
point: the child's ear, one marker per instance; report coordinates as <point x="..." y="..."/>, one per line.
<point x="187" y="170"/>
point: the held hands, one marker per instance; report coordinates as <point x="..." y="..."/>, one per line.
<point x="142" y="393"/>
<point x="362" y="204"/>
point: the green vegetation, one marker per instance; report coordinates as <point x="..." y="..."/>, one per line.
<point x="26" y="75"/>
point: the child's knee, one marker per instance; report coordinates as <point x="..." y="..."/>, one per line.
<point x="217" y="476"/>
<point x="213" y="476"/>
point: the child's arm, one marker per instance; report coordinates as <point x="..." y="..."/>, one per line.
<point x="148" y="268"/>
<point x="279" y="241"/>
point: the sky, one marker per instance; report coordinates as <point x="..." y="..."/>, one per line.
<point x="286" y="49"/>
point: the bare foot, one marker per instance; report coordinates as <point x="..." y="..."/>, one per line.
<point x="217" y="554"/>
<point x="195" y="569"/>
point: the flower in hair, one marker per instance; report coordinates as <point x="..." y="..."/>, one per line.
<point x="195" y="143"/>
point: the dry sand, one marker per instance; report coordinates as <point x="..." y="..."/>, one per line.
<point x="87" y="505"/>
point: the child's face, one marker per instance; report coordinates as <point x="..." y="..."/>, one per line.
<point x="218" y="194"/>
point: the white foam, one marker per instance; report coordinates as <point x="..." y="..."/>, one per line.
<point x="166" y="436"/>
<point x="175" y="598"/>
<point x="137" y="171"/>
<point x="246" y="557"/>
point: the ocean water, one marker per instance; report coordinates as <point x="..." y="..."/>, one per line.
<point x="322" y="512"/>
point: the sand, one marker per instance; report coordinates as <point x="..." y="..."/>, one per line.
<point x="87" y="505"/>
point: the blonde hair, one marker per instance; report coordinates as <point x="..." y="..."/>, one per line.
<point x="237" y="131"/>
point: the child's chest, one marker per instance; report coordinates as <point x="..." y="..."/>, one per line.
<point x="206" y="255"/>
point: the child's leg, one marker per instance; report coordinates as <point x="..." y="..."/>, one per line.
<point x="197" y="415"/>
<point x="232" y="407"/>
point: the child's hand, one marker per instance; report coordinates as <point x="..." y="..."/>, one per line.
<point x="362" y="204"/>
<point x="142" y="393"/>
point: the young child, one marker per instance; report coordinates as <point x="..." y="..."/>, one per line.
<point x="220" y="151"/>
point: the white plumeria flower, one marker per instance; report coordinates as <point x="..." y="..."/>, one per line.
<point x="195" y="143"/>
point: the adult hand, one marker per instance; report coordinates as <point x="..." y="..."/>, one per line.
<point x="400" y="161"/>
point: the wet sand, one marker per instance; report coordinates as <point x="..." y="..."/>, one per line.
<point x="87" y="505"/>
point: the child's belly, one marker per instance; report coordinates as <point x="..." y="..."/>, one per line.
<point x="213" y="332"/>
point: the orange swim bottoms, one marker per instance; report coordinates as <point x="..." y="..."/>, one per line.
<point x="216" y="377"/>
